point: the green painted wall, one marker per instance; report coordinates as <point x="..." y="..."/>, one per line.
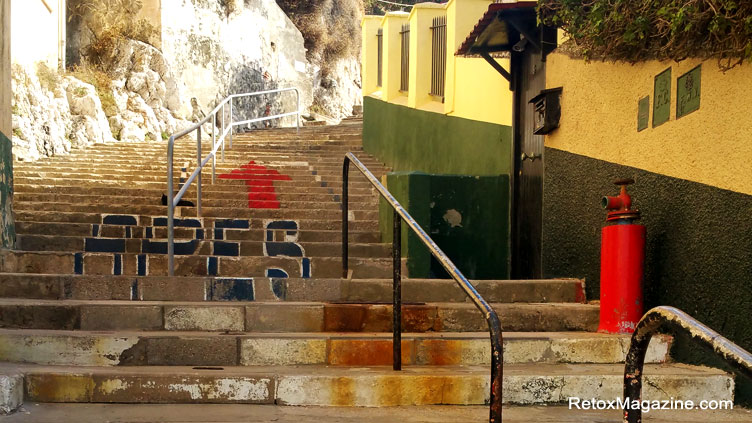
<point x="414" y="140"/>
<point x="7" y="222"/>
<point x="467" y="216"/>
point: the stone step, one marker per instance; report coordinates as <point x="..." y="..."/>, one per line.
<point x="141" y="173"/>
<point x="51" y="263"/>
<point x="84" y="348"/>
<point x="288" y="316"/>
<point x="291" y="201"/>
<point x="209" y="191"/>
<point x="255" y="222"/>
<point x="247" y="413"/>
<point x="363" y="386"/>
<point x="220" y="212"/>
<point x="140" y="232"/>
<point x="161" y="182"/>
<point x="202" y="247"/>
<point x="153" y="288"/>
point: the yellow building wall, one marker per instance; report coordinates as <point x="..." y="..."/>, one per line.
<point x="599" y="120"/>
<point x="473" y="89"/>
<point x="421" y="38"/>
<point x="481" y="93"/>
<point x="392" y="56"/>
<point x="38" y="32"/>
<point x="369" y="54"/>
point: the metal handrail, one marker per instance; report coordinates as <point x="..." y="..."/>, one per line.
<point x="201" y="162"/>
<point x="494" y="325"/>
<point x="668" y="319"/>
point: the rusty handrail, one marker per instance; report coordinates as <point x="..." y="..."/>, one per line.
<point x="670" y="319"/>
<point x="494" y="325"/>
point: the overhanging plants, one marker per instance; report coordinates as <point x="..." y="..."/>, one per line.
<point x="637" y="30"/>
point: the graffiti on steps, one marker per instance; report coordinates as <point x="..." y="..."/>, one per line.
<point x="259" y="181"/>
<point x="280" y="240"/>
<point x="120" y="234"/>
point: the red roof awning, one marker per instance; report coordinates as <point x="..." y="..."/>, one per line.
<point x="499" y="28"/>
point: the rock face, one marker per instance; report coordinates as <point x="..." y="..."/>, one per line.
<point x="340" y="90"/>
<point x="55" y="113"/>
<point x="253" y="48"/>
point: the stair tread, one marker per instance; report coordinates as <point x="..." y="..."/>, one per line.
<point x="232" y="413"/>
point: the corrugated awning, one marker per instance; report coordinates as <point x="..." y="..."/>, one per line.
<point x="500" y="28"/>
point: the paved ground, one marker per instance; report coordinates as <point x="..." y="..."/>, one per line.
<point x="121" y="413"/>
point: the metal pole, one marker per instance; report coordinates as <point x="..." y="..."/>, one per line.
<point x="397" y="291"/>
<point x="223" y="132"/>
<point x="345" y="171"/>
<point x="170" y="211"/>
<point x="231" y="127"/>
<point x="198" y="163"/>
<point x="214" y="142"/>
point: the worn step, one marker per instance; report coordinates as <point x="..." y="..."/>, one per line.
<point x="66" y="229"/>
<point x="116" y="264"/>
<point x="246" y="413"/>
<point x="84" y="348"/>
<point x="254" y="222"/>
<point x="201" y="247"/>
<point x="153" y="288"/>
<point x="363" y="386"/>
<point x="288" y="316"/>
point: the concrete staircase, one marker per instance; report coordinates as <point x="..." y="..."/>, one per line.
<point x="258" y="313"/>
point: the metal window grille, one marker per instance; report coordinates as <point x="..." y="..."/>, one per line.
<point x="380" y="59"/>
<point x="438" y="55"/>
<point x="404" y="76"/>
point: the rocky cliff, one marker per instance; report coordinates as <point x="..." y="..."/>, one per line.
<point x="209" y="49"/>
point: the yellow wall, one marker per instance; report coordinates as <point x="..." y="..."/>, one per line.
<point x="473" y="89"/>
<point x="421" y="38"/>
<point x="392" y="56"/>
<point x="599" y="120"/>
<point x="369" y="54"/>
<point x="38" y="33"/>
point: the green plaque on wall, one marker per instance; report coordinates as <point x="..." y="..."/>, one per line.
<point x="662" y="98"/>
<point x="688" y="92"/>
<point x="643" y="113"/>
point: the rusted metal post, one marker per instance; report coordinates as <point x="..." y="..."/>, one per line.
<point x="670" y="319"/>
<point x="397" y="291"/>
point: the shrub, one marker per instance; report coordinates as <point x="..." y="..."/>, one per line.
<point x="102" y="82"/>
<point x="110" y="22"/>
<point x="637" y="30"/>
<point x="49" y="78"/>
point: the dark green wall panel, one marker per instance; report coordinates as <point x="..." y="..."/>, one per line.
<point x="413" y="140"/>
<point x="466" y="216"/>
<point x="7" y="221"/>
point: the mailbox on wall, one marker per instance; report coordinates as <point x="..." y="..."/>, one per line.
<point x="547" y="107"/>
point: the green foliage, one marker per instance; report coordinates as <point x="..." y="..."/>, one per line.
<point x="48" y="78"/>
<point x="102" y="82"/>
<point x="165" y="136"/>
<point x="17" y="133"/>
<point x="110" y="22"/>
<point x="635" y="30"/>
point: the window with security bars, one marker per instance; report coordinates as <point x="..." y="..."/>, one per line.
<point x="405" y="62"/>
<point x="438" y="55"/>
<point x="380" y="55"/>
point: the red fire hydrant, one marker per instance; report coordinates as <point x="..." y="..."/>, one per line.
<point x="622" y="264"/>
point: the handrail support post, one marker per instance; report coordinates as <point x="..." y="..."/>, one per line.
<point x="198" y="164"/>
<point x="397" y="291"/>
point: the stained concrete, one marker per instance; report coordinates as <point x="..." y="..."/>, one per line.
<point x="215" y="413"/>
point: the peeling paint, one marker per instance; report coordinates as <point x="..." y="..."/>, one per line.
<point x="453" y="218"/>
